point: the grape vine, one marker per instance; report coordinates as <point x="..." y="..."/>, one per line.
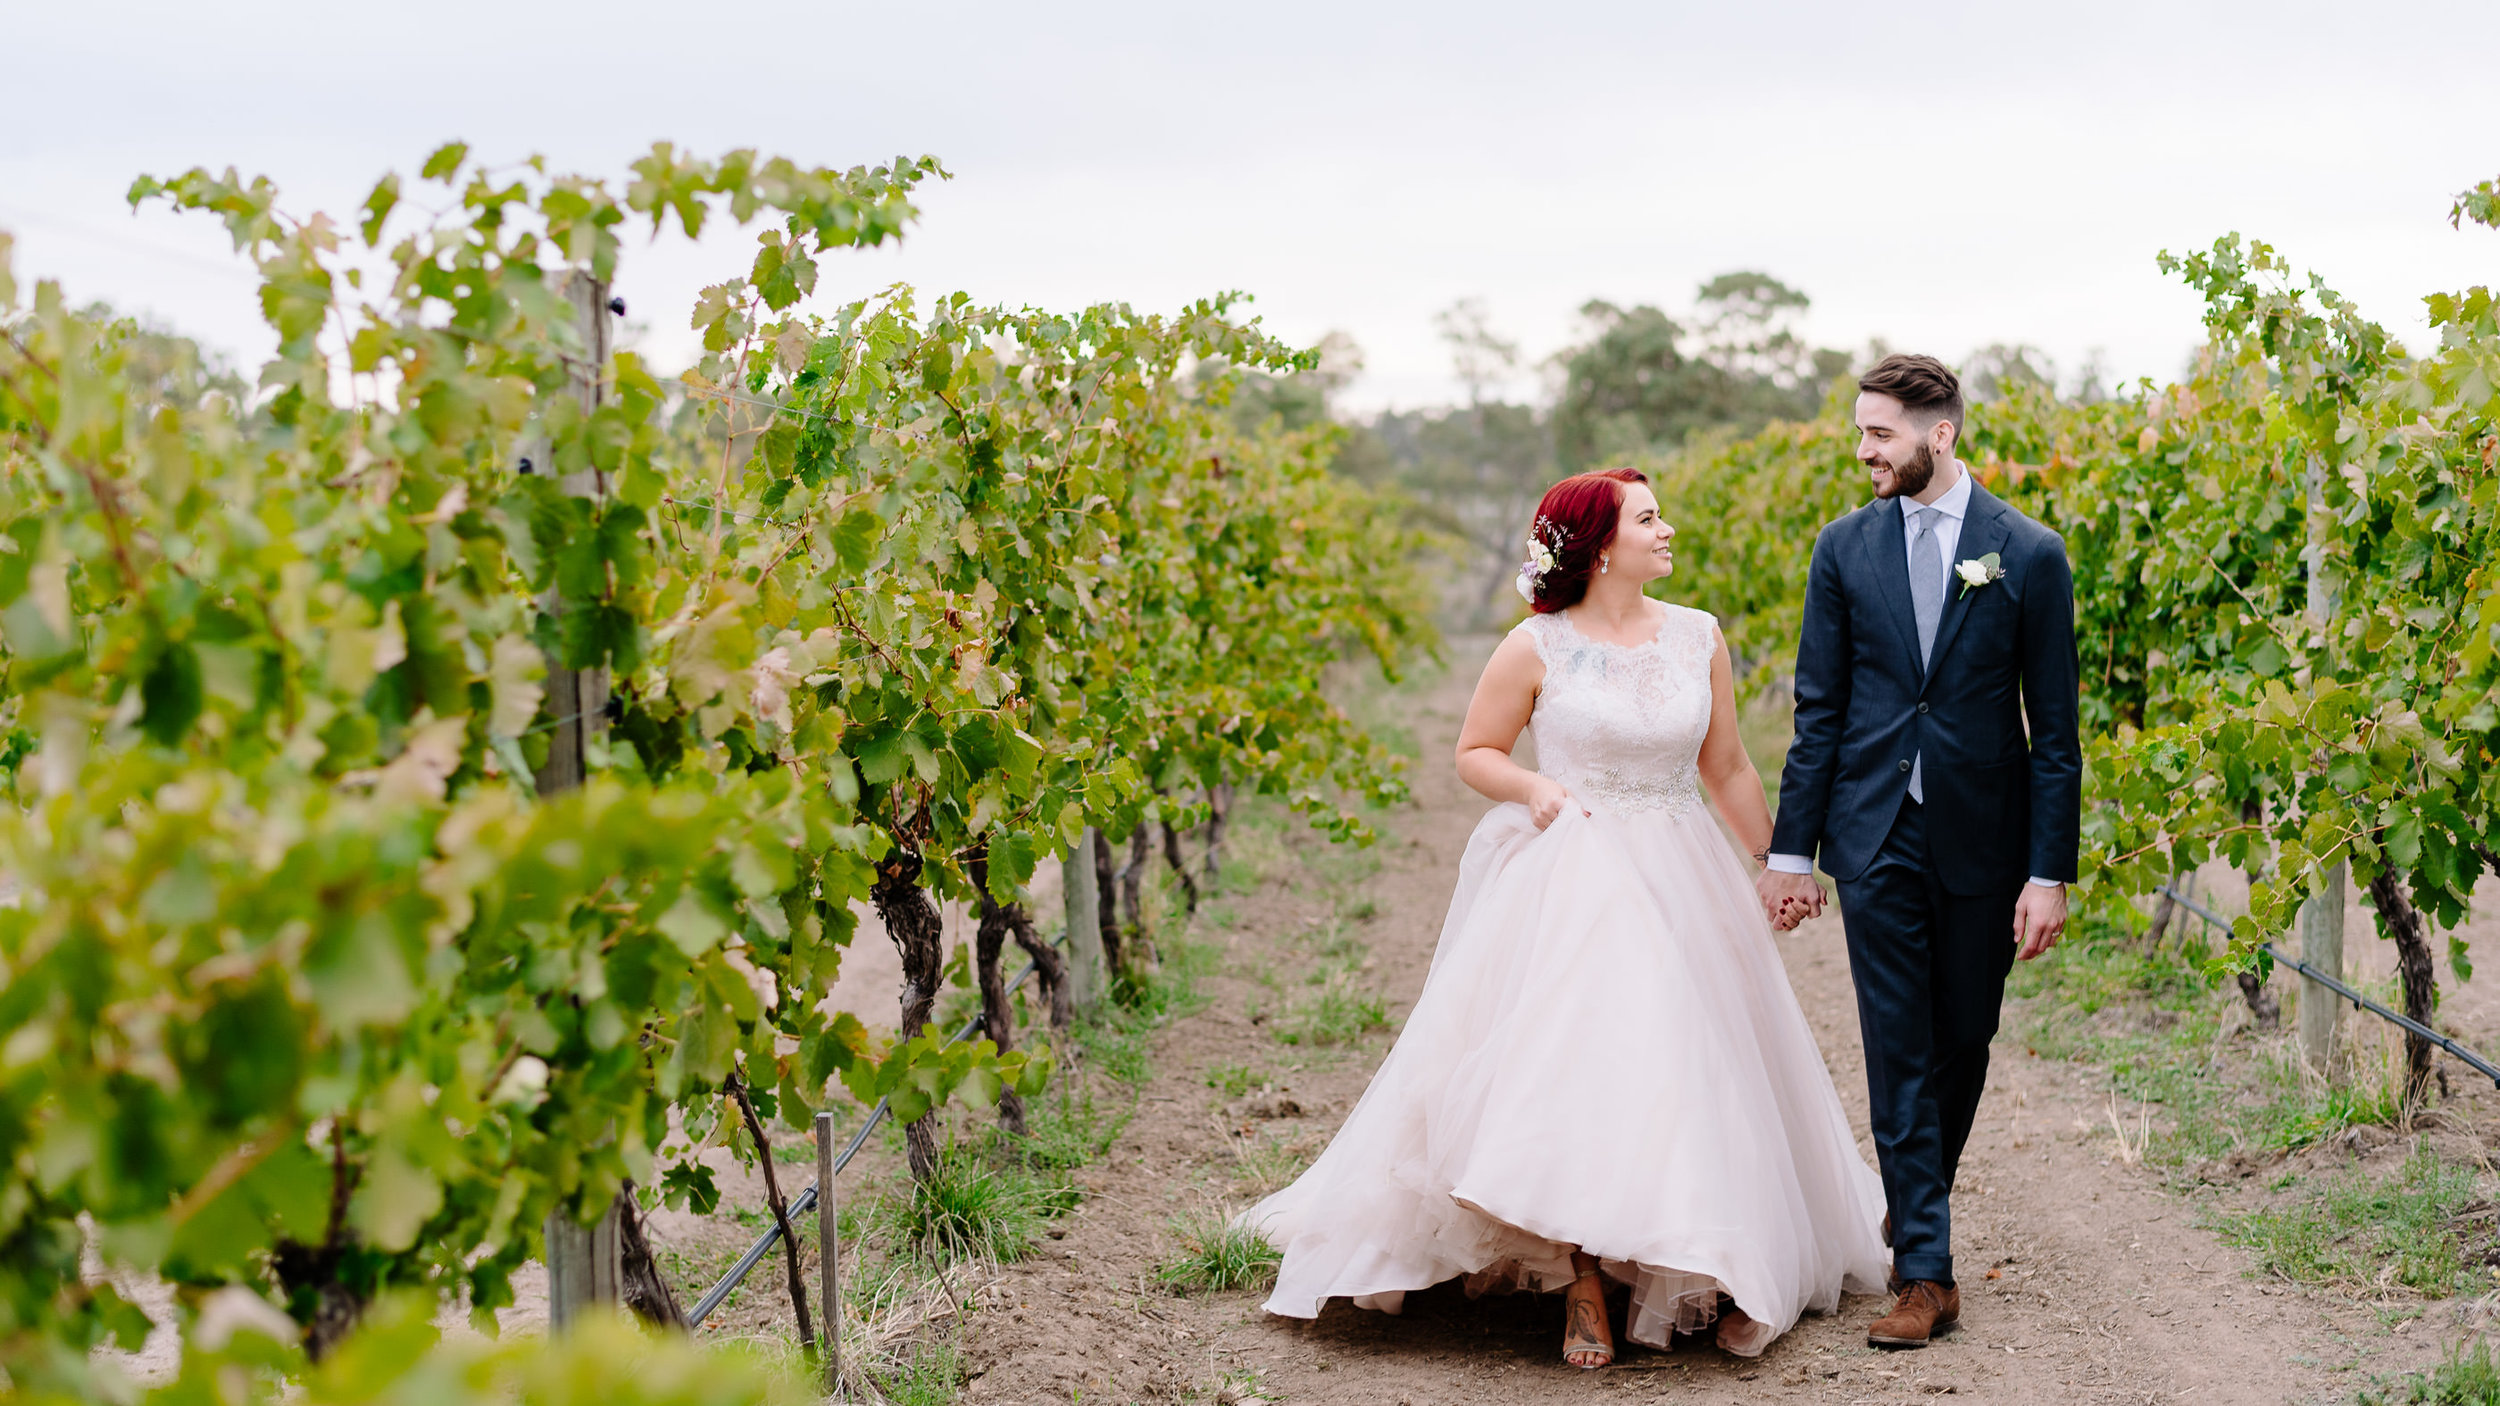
<point x="305" y="988"/>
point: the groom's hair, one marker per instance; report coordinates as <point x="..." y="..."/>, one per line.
<point x="1926" y="387"/>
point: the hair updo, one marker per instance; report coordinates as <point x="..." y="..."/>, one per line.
<point x="1584" y="508"/>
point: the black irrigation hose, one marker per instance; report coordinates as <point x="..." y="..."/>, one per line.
<point x="2359" y="1002"/>
<point x="805" y="1201"/>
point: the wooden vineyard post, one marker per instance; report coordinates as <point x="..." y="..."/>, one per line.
<point x="585" y="1263"/>
<point x="585" y="1266"/>
<point x="2322" y="947"/>
<point x="577" y="699"/>
<point x="829" y="1253"/>
<point x="2321" y="916"/>
<point x="1087" y="979"/>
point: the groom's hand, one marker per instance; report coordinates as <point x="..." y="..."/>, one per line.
<point x="1788" y="899"/>
<point x="2039" y="919"/>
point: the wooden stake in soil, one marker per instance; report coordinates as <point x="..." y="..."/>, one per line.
<point x="1086" y="977"/>
<point x="2322" y="946"/>
<point x="2322" y="914"/>
<point x="585" y="1264"/>
<point x="829" y="1253"/>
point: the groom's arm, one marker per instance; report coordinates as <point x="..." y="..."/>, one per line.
<point x="1822" y="700"/>
<point x="2051" y="697"/>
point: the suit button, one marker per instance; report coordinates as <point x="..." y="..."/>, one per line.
<point x="1905" y="766"/>
<point x="1922" y="707"/>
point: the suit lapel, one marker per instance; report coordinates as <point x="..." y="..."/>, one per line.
<point x="1983" y="531"/>
<point x="1887" y="545"/>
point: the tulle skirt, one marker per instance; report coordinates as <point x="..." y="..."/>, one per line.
<point x="1606" y="1054"/>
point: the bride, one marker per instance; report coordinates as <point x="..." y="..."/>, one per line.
<point x="1606" y="1076"/>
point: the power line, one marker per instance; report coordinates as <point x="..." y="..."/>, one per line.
<point x="82" y="230"/>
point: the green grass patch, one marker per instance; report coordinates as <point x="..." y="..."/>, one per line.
<point x="976" y="1206"/>
<point x="1212" y="1253"/>
<point x="1338" y="1014"/>
<point x="1065" y="1128"/>
<point x="2469" y="1376"/>
<point x="928" y="1372"/>
<point x="1269" y="1162"/>
<point x="1117" y="1040"/>
<point x="2157" y="1021"/>
<point x="1234" y="1080"/>
<point x="2407" y="1230"/>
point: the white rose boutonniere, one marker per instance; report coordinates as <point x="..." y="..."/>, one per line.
<point x="1978" y="572"/>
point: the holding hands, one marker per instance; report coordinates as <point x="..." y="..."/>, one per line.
<point x="1789" y="899"/>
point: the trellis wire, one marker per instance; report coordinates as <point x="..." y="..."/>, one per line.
<point x="805" y="1201"/>
<point x="2359" y="1002"/>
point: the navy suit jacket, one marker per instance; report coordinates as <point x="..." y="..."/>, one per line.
<point x="2004" y="800"/>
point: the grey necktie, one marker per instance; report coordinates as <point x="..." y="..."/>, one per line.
<point x="1927" y="604"/>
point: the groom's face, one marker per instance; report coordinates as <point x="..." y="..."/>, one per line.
<point x="1896" y="449"/>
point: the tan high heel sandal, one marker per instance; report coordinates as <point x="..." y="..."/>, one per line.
<point x="1585" y="1330"/>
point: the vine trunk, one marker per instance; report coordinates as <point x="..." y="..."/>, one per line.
<point x="918" y="932"/>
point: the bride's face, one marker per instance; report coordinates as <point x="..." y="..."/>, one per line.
<point x="1643" y="540"/>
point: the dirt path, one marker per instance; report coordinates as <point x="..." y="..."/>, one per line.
<point x="2084" y="1281"/>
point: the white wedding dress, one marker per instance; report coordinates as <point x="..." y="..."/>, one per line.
<point x="1606" y="1053"/>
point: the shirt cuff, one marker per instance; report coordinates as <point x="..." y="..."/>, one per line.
<point x="2048" y="883"/>
<point x="1789" y="864"/>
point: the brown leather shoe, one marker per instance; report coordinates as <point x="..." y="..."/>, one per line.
<point x="1925" y="1310"/>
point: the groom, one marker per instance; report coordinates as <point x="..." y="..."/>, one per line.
<point x="1938" y="623"/>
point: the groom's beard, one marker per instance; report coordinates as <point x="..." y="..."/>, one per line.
<point x="1911" y="479"/>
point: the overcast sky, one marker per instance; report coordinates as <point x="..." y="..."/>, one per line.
<point x="1941" y="176"/>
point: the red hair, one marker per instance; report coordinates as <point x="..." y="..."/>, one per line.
<point x="1585" y="507"/>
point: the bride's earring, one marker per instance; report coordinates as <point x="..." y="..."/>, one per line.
<point x="1602" y="564"/>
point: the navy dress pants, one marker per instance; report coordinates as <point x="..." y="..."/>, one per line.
<point x="1930" y="971"/>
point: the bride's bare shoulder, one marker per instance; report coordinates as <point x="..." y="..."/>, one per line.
<point x="1526" y="641"/>
<point x="1521" y="654"/>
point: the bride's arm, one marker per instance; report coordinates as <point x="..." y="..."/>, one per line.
<point x="1505" y="697"/>
<point x="1727" y="772"/>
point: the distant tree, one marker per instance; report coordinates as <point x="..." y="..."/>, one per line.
<point x="1999" y="369"/>
<point x="1480" y="356"/>
<point x="1632" y="388"/>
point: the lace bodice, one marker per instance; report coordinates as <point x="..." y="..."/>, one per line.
<point x="1622" y="725"/>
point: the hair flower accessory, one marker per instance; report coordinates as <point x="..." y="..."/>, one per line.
<point x="1545" y="544"/>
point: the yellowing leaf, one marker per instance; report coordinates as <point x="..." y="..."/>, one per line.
<point x="516" y="677"/>
<point x="424" y="767"/>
